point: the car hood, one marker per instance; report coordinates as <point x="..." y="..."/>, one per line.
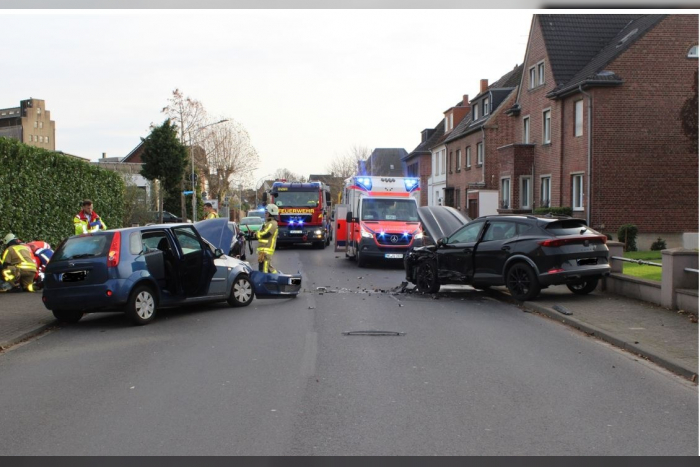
<point x="391" y="226"/>
<point x="441" y="221"/>
<point x="217" y="232"/>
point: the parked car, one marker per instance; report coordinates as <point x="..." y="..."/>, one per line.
<point x="168" y="217"/>
<point x="251" y="224"/>
<point x="140" y="270"/>
<point x="524" y="253"/>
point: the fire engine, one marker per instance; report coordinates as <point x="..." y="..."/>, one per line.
<point x="378" y="218"/>
<point x="303" y="212"/>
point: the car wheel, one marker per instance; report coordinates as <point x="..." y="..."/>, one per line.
<point x="67" y="316"/>
<point x="141" y="308"/>
<point x="426" y="278"/>
<point x="522" y="282"/>
<point x="360" y="259"/>
<point x="585" y="287"/>
<point x="241" y="292"/>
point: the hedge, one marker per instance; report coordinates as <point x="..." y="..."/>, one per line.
<point x="556" y="211"/>
<point x="41" y="191"/>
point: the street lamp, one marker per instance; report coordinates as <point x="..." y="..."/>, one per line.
<point x="194" y="194"/>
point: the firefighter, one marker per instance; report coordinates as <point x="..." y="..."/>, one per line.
<point x="209" y="212"/>
<point x="18" y="265"/>
<point x="267" y="239"/>
<point x="87" y="220"/>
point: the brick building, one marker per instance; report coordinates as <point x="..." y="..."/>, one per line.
<point x="472" y="147"/>
<point x="419" y="161"/>
<point x="29" y="123"/>
<point x="597" y="123"/>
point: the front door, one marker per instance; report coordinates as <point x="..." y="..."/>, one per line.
<point x="196" y="267"/>
<point x="340" y="232"/>
<point x="456" y="256"/>
<point x="494" y="249"/>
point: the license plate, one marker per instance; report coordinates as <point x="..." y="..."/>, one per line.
<point x="393" y="255"/>
<point x="587" y="261"/>
<point x="76" y="276"/>
<point x="296" y="232"/>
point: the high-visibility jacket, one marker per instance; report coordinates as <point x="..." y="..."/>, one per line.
<point x="211" y="215"/>
<point x="83" y="224"/>
<point x="19" y="256"/>
<point x="267" y="237"/>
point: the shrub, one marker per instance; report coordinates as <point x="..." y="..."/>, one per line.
<point x="659" y="244"/>
<point x="627" y="234"/>
<point x="610" y="237"/>
<point x="555" y="211"/>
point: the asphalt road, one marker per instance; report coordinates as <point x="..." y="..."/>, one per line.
<point x="466" y="375"/>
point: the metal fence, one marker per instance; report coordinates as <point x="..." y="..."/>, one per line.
<point x="637" y="261"/>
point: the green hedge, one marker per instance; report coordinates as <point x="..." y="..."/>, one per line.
<point x="556" y="211"/>
<point x="41" y="192"/>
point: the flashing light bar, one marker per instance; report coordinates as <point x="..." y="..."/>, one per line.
<point x="411" y="183"/>
<point x="364" y="182"/>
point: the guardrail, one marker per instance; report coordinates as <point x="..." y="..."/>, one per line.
<point x="637" y="261"/>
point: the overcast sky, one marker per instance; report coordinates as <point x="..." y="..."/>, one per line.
<point x="307" y="84"/>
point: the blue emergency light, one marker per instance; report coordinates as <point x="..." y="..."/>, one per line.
<point x="411" y="184"/>
<point x="364" y="182"/>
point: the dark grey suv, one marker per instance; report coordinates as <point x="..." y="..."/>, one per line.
<point x="524" y="253"/>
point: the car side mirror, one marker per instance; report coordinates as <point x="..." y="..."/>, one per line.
<point x="218" y="253"/>
<point x="442" y="241"/>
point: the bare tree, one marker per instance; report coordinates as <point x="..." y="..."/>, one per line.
<point x="288" y="175"/>
<point x="188" y="115"/>
<point x="347" y="164"/>
<point x="230" y="157"/>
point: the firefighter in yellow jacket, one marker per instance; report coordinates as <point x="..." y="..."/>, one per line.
<point x="267" y="239"/>
<point x="18" y="265"/>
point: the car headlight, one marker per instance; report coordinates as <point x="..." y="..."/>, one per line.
<point x="365" y="234"/>
<point x="318" y="232"/>
<point x="418" y="236"/>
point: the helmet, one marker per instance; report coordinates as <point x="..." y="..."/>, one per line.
<point x="272" y="209"/>
<point x="9" y="237"/>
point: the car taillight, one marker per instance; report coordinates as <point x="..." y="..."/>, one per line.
<point x="113" y="255"/>
<point x="557" y="242"/>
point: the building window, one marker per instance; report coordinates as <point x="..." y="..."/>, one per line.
<point x="505" y="193"/>
<point x="47" y="139"/>
<point x="36" y="124"/>
<point x="451" y="121"/>
<point x="458" y="202"/>
<point x="41" y="139"/>
<point x="38" y="110"/>
<point x="436" y="156"/>
<point x="526" y="130"/>
<point x="540" y="73"/>
<point x="693" y="52"/>
<point x="525" y="192"/>
<point x="41" y="124"/>
<point x="459" y="160"/>
<point x="577" y="192"/>
<point x="547" y="127"/>
<point x="578" y="118"/>
<point x="532" y="78"/>
<point x="486" y="106"/>
<point x="480" y="153"/>
<point x="545" y="191"/>
<point x="469" y="157"/>
<point x="449" y="162"/>
<point x="476" y="112"/>
<point x="444" y="161"/>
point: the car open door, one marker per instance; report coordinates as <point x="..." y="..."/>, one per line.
<point x="340" y="229"/>
<point x="196" y="266"/>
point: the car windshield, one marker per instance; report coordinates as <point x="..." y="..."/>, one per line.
<point x="88" y="246"/>
<point x="251" y="220"/>
<point x="297" y="198"/>
<point x="404" y="210"/>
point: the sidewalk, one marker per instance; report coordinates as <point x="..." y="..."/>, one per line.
<point x="665" y="337"/>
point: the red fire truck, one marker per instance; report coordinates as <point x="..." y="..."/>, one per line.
<point x="378" y="218"/>
<point x="304" y="212"/>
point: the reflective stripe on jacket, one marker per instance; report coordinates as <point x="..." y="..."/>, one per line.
<point x="82" y="223"/>
<point x="267" y="237"/>
<point x="20" y="256"/>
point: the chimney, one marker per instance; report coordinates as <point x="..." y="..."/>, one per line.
<point x="465" y="100"/>
<point x="104" y="155"/>
<point x="484" y="85"/>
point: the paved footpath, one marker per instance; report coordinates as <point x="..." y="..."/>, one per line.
<point x="665" y="337"/>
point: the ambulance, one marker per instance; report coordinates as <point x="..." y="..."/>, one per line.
<point x="377" y="218"/>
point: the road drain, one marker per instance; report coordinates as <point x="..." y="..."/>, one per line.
<point x="374" y="333"/>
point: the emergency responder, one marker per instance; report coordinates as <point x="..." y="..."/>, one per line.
<point x="267" y="239"/>
<point x="87" y="220"/>
<point x="18" y="265"/>
<point x="209" y="212"/>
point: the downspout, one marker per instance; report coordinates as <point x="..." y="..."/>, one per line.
<point x="590" y="141"/>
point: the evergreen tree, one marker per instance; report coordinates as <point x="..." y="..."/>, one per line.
<point x="164" y="159"/>
<point x="689" y="115"/>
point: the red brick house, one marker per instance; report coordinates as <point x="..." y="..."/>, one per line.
<point x="597" y="123"/>
<point x="419" y="161"/>
<point x="472" y="147"/>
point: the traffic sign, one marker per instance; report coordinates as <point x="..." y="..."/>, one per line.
<point x="187" y="192"/>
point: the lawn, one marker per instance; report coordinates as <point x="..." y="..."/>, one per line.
<point x="643" y="271"/>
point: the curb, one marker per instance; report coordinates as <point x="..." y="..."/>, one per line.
<point x="7" y="344"/>
<point x="600" y="334"/>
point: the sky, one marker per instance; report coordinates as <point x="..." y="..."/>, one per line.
<point x="308" y="85"/>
